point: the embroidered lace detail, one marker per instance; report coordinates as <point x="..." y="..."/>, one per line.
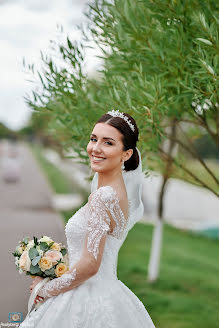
<point x="102" y="207"/>
<point x="104" y="202"/>
<point x="58" y="283"/>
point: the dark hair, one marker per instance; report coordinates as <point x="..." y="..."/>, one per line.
<point x="129" y="137"/>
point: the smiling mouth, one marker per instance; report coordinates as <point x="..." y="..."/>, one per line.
<point x="97" y="159"/>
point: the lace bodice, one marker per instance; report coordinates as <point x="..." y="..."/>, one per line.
<point x="93" y="245"/>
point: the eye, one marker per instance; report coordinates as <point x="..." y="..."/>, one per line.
<point x="109" y="143"/>
<point x="93" y="139"/>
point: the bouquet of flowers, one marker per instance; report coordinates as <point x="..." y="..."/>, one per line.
<point x="41" y="257"/>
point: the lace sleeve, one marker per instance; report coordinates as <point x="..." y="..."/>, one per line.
<point x="57" y="284"/>
<point x="104" y="211"/>
<point x="98" y="225"/>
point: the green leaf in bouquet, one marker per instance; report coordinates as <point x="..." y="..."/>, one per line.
<point x="44" y="246"/>
<point x="50" y="245"/>
<point x="28" y="273"/>
<point x="33" y="253"/>
<point x="26" y="240"/>
<point x="16" y="254"/>
<point x="34" y="269"/>
<point x="35" y="240"/>
<point x="59" y="261"/>
<point x="63" y="251"/>
<point x="36" y="260"/>
<point x="50" y="272"/>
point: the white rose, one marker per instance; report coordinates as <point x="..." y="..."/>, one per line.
<point x="19" y="250"/>
<point x="30" y="245"/>
<point x="46" y="239"/>
<point x="16" y="261"/>
<point x="40" y="251"/>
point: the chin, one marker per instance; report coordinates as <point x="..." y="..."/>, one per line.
<point x="97" y="169"/>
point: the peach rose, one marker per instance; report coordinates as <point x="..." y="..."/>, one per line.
<point x="61" y="269"/>
<point x="53" y="256"/>
<point x="24" y="261"/>
<point x="56" y="247"/>
<point x="45" y="263"/>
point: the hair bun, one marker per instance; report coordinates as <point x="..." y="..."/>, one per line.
<point x="133" y="162"/>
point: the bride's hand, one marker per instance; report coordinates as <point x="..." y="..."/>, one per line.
<point x="35" y="281"/>
<point x="38" y="299"/>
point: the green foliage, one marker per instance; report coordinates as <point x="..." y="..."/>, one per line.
<point x="33" y="253"/>
<point x="207" y="148"/>
<point x="63" y="251"/>
<point x="160" y="63"/>
<point x="35" y="240"/>
<point x="6" y="132"/>
<point x="44" y="246"/>
<point x="50" y="272"/>
<point x="34" y="269"/>
<point x="36" y="260"/>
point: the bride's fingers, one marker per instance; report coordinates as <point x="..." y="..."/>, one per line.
<point x="38" y="299"/>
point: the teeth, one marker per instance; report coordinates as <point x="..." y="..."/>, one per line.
<point x="98" y="158"/>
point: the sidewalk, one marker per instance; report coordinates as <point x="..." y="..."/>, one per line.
<point x="25" y="209"/>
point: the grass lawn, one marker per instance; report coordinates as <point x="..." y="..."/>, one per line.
<point x="59" y="182"/>
<point x="187" y="292"/>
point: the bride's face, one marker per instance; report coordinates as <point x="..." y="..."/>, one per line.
<point x="105" y="148"/>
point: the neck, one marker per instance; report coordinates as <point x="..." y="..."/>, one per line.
<point x="109" y="178"/>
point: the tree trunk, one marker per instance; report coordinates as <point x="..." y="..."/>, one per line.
<point x="154" y="262"/>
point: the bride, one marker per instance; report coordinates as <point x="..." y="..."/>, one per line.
<point x="90" y="295"/>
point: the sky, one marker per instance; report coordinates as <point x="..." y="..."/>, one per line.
<point x="26" y="27"/>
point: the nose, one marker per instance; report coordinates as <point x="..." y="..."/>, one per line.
<point x="97" y="147"/>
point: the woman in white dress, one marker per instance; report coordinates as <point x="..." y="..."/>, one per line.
<point x="90" y="295"/>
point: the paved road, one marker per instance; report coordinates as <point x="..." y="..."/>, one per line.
<point x="25" y="209"/>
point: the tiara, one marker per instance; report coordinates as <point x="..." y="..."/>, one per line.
<point x="117" y="113"/>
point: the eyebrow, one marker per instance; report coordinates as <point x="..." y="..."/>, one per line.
<point x="108" y="138"/>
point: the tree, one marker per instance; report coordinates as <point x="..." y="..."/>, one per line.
<point x="160" y="64"/>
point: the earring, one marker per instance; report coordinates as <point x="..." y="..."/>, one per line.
<point x="123" y="166"/>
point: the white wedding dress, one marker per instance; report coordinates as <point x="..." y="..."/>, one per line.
<point x="98" y="299"/>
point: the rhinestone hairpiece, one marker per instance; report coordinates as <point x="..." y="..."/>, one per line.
<point x="117" y="113"/>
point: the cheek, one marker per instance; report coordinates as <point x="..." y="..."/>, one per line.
<point x="114" y="154"/>
<point x="89" y="148"/>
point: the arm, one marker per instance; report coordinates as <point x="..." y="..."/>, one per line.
<point x="98" y="225"/>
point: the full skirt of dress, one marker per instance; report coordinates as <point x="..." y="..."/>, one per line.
<point x="106" y="305"/>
